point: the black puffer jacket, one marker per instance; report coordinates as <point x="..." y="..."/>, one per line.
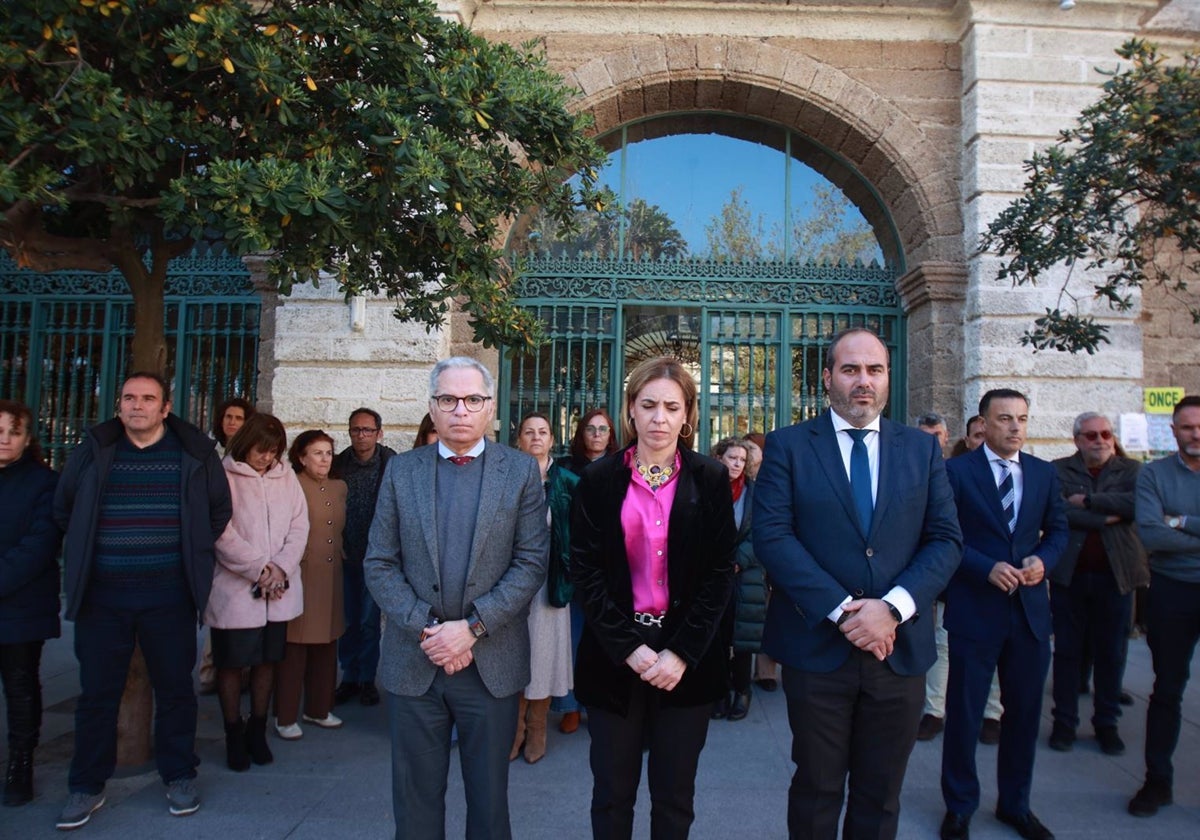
<point x="749" y="585"/>
<point x="29" y="542"/>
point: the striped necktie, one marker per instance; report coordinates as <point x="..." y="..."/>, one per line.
<point x="1008" y="496"/>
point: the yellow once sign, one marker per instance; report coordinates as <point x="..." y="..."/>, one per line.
<point x="1162" y="400"/>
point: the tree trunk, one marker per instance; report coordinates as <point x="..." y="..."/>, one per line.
<point x="147" y="353"/>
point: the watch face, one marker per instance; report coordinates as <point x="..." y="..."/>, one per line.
<point x="1173" y="522"/>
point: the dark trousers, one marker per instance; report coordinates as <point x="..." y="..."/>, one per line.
<point x="569" y="703"/>
<point x="104" y="642"/>
<point x="1173" y="627"/>
<point x="1021" y="660"/>
<point x="675" y="737"/>
<point x="420" y="728"/>
<point x="858" y="720"/>
<point x="358" y="648"/>
<point x="19" y="666"/>
<point x="308" y="668"/>
<point x="1091" y="614"/>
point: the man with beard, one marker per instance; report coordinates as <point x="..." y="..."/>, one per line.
<point x="855" y="524"/>
<point x="1168" y="519"/>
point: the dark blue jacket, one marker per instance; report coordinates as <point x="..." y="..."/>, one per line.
<point x="808" y="537"/>
<point x="204" y="503"/>
<point x="28" y="553"/>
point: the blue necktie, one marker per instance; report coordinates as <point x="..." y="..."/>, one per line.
<point x="1008" y="496"/>
<point x="860" y="478"/>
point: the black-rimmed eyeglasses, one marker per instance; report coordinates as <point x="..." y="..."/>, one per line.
<point x="359" y="431"/>
<point x="473" y="402"/>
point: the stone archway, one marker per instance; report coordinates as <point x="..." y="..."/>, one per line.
<point x="856" y="127"/>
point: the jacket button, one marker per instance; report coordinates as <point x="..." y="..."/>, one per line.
<point x="870" y="552"/>
<point x="328" y="559"/>
<point x="330" y="540"/>
<point x="330" y="522"/>
<point x="329" y="504"/>
<point x="435" y="587"/>
<point x="858" y="593"/>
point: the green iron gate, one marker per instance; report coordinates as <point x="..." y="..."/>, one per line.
<point x="753" y="335"/>
<point x="65" y="337"/>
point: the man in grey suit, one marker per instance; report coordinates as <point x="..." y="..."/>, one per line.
<point x="457" y="550"/>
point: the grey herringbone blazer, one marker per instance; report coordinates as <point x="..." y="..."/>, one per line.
<point x="509" y="553"/>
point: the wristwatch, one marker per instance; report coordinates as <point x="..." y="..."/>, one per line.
<point x="478" y="629"/>
<point x="1174" y="522"/>
<point x="895" y="612"/>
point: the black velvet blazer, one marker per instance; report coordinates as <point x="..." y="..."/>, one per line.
<point x="700" y="548"/>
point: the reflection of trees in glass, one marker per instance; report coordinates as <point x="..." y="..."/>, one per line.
<point x="832" y="231"/>
<point x="736" y="234"/>
<point x="649" y="233"/>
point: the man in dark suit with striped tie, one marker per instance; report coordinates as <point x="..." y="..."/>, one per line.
<point x="1014" y="529"/>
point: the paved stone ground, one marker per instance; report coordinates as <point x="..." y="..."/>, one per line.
<point x="336" y="784"/>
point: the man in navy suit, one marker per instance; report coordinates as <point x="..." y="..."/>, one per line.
<point x="1014" y="528"/>
<point x="854" y="521"/>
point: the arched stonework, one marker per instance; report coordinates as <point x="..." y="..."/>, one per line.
<point x="914" y="179"/>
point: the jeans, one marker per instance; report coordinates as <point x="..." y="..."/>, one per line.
<point x="1093" y="610"/>
<point x="1172" y="627"/>
<point x="104" y="642"/>
<point x="19" y="666"/>
<point x="358" y="648"/>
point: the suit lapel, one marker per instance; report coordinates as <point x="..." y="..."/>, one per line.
<point x="423" y="488"/>
<point x="495" y="472"/>
<point x="889" y="456"/>
<point x="828" y="453"/>
<point x="985" y="479"/>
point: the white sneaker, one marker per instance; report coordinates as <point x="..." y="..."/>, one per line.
<point x="291" y="732"/>
<point x="330" y="721"/>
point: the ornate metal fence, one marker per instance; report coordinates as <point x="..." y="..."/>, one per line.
<point x="65" y="337"/>
<point x="752" y="334"/>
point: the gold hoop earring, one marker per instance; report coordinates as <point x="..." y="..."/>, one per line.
<point x="688" y="433"/>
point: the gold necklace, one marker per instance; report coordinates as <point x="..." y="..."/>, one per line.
<point x="655" y="475"/>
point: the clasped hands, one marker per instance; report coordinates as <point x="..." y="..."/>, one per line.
<point x="448" y="645"/>
<point x="271" y="582"/>
<point x="1009" y="578"/>
<point x="870" y="626"/>
<point x="663" y="669"/>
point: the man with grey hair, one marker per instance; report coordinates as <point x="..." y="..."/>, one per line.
<point x="1091" y="588"/>
<point x="457" y="550"/>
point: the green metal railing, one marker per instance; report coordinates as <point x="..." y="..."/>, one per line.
<point x="65" y="339"/>
<point x="753" y="335"/>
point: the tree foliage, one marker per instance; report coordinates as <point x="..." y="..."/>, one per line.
<point x="371" y="140"/>
<point x="1119" y="192"/>
<point x="736" y="234"/>
<point x="831" y="232"/>
<point x="646" y="230"/>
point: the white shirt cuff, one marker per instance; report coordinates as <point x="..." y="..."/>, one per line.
<point x="837" y="611"/>
<point x="899" y="598"/>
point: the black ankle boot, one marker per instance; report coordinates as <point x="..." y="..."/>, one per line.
<point x="235" y="746"/>
<point x="18" y="781"/>
<point x="256" y="740"/>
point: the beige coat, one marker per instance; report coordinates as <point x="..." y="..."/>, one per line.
<point x="321" y="567"/>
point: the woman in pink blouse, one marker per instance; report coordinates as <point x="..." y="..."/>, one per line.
<point x="652" y="544"/>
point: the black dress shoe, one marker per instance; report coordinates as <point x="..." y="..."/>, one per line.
<point x="989" y="733"/>
<point x="369" y="695"/>
<point x="1027" y="825"/>
<point x="1125" y="698"/>
<point x="740" y="707"/>
<point x="1062" y="737"/>
<point x="1150" y="798"/>
<point x="956" y="827"/>
<point x="346" y="691"/>
<point x="767" y="684"/>
<point x="1110" y="740"/>
<point x="929" y="727"/>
